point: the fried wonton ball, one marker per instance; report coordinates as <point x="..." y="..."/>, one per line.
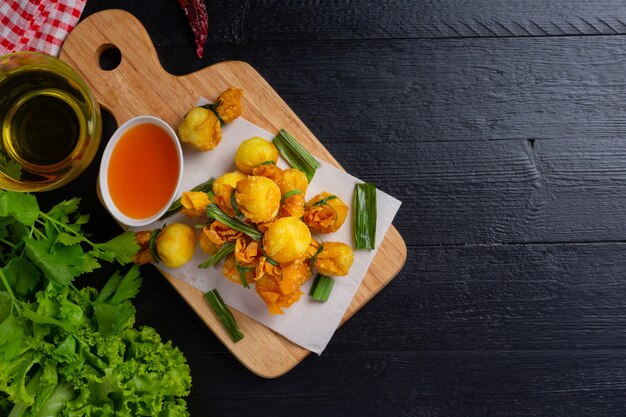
<point x="176" y="244"/>
<point x="335" y="259"/>
<point x="258" y="198"/>
<point x="253" y="152"/>
<point x="293" y="179"/>
<point x="292" y="206"/>
<point x="201" y="129"/>
<point x="294" y="274"/>
<point x="325" y="213"/>
<point x="231" y="272"/>
<point x="270" y="171"/>
<point x="286" y="240"/>
<point x="269" y="290"/>
<point x="194" y="203"/>
<point x="204" y="241"/>
<point x="229" y="104"/>
<point x="230" y="178"/>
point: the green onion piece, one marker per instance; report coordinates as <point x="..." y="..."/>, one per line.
<point x="234" y="205"/>
<point x="225" y="250"/>
<point x="321" y="288"/>
<point x="177" y="205"/>
<point x="324" y="200"/>
<point x="289" y="194"/>
<point x="153" y="246"/>
<point x="364" y="214"/>
<point x="267" y="163"/>
<point x="317" y="252"/>
<point x="270" y="260"/>
<point x="242" y="273"/>
<point x="224" y="314"/>
<point x="295" y="154"/>
<point x="213" y="107"/>
<point x="214" y="212"/>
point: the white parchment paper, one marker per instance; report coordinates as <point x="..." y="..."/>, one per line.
<point x="307" y="323"/>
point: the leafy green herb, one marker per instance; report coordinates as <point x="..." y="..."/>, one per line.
<point x="321" y="288"/>
<point x="224" y="314"/>
<point x="289" y="194"/>
<point x="205" y="187"/>
<point x="224" y="250"/>
<point x="324" y="200"/>
<point x="65" y="351"/>
<point x="364" y="216"/>
<point x="295" y="154"/>
<point x="214" y="212"/>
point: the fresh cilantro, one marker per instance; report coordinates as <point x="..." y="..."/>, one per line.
<point x="64" y="350"/>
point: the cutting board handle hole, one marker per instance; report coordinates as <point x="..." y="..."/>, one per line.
<point x="110" y="57"/>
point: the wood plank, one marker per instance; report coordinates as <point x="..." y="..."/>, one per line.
<point x="443" y="90"/>
<point x="241" y="21"/>
<point x="502" y="297"/>
<point x="140" y="86"/>
<point x="500" y="191"/>
<point x="451" y="384"/>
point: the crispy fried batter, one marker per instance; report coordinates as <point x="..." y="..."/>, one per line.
<point x="229" y="107"/>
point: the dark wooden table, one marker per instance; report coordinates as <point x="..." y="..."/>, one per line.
<point x="501" y="127"/>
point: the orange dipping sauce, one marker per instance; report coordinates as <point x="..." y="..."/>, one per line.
<point x="143" y="171"/>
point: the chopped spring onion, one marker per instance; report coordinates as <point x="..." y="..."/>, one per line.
<point x="242" y="273"/>
<point x="234" y="205"/>
<point x="317" y="252"/>
<point x="224" y="314"/>
<point x="270" y="260"/>
<point x="268" y="163"/>
<point x="289" y="194"/>
<point x="364" y="213"/>
<point x="225" y="250"/>
<point x="324" y="200"/>
<point x="214" y="212"/>
<point x="177" y="205"/>
<point x="295" y="154"/>
<point x="213" y="107"/>
<point x="321" y="288"/>
<point x="153" y="246"/>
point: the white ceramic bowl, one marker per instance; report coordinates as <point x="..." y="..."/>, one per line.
<point x="104" y="169"/>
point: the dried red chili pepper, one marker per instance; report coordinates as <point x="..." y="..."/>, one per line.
<point x="196" y="13"/>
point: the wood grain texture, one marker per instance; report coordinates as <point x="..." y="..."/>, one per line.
<point x="140" y="86"/>
<point x="244" y="21"/>
<point x="474" y="325"/>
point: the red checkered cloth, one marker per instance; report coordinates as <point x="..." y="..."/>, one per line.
<point x="37" y="25"/>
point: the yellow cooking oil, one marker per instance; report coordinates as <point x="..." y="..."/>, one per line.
<point x="43" y="123"/>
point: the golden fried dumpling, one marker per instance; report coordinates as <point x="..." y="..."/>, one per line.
<point x="335" y="259"/>
<point x="253" y="152"/>
<point x="269" y="290"/>
<point x="230" y="271"/>
<point x="294" y="274"/>
<point x="201" y="129"/>
<point x="229" y="104"/>
<point x="292" y="206"/>
<point x="194" y="203"/>
<point x="258" y="198"/>
<point x="176" y="244"/>
<point x="325" y="213"/>
<point x="204" y="241"/>
<point x="293" y="179"/>
<point x="230" y="178"/>
<point x="286" y="240"/>
<point x="270" y="171"/>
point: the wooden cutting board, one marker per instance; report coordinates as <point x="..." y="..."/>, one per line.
<point x="139" y="85"/>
